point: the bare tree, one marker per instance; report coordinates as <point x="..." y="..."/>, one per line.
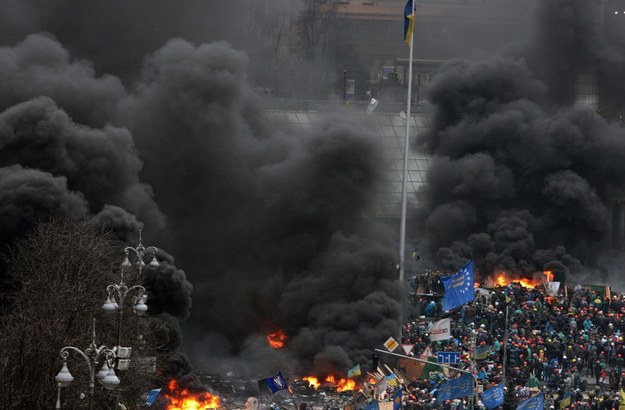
<point x="314" y="25"/>
<point x="62" y="270"/>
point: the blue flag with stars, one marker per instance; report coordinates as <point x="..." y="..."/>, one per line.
<point x="535" y="403"/>
<point x="456" y="388"/>
<point x="493" y="397"/>
<point x="459" y="287"/>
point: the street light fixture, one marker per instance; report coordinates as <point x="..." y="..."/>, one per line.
<point x="139" y="253"/>
<point x="116" y="295"/>
<point x="93" y="355"/>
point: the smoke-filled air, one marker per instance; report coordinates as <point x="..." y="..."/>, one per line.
<point x="527" y="176"/>
<point x="141" y="115"/>
<point x="260" y="227"/>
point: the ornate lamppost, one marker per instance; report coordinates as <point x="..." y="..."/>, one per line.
<point x="93" y="356"/>
<point x="119" y="292"/>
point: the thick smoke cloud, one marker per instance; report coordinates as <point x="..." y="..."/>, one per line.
<point x="280" y="219"/>
<point x="524" y="180"/>
<point x="271" y="226"/>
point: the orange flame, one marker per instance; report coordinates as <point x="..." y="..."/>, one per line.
<point x="276" y="339"/>
<point x="504" y="279"/>
<point x="342" y="384"/>
<point x="312" y="381"/>
<point x="182" y="399"/>
<point x="339" y="385"/>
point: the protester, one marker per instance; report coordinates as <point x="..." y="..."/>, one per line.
<point x="568" y="346"/>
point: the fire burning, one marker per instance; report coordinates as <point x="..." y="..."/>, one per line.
<point x="276" y="339"/>
<point x="504" y="279"/>
<point x="182" y="399"/>
<point x="339" y="385"/>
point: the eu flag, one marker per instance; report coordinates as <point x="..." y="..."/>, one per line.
<point x="493" y="397"/>
<point x="456" y="388"/>
<point x="397" y="399"/>
<point x="408" y="22"/>
<point x="274" y="384"/>
<point x="459" y="287"/>
<point x="533" y="403"/>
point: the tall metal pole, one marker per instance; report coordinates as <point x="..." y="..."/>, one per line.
<point x="404" y="193"/>
<point x="505" y="348"/>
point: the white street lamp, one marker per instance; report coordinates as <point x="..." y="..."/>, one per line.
<point x="117" y="293"/>
<point x="139" y="253"/>
<point x="93" y="356"/>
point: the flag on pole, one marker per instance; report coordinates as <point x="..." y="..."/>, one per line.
<point x="150" y="397"/>
<point x="440" y="330"/>
<point x="408" y="22"/>
<point x="566" y="400"/>
<point x="354" y="371"/>
<point x="274" y="384"/>
<point x="493" y="397"/>
<point x="457" y="388"/>
<point x="481" y="352"/>
<point x="397" y="399"/>
<point x="459" y="288"/>
<point x="415" y="253"/>
<point x="534" y="403"/>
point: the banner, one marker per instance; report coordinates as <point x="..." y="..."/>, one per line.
<point x="552" y="288"/>
<point x="440" y="330"/>
<point x="458" y="388"/>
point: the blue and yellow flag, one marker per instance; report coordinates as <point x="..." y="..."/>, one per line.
<point x="482" y="352"/>
<point x="354" y="371"/>
<point x="566" y="400"/>
<point x="408" y="22"/>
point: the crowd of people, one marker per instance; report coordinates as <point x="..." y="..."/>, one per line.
<point x="568" y="345"/>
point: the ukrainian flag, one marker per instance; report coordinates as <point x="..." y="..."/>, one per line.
<point x="566" y="400"/>
<point x="408" y="22"/>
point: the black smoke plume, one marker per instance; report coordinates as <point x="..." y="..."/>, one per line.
<point x="271" y="227"/>
<point x="524" y="179"/>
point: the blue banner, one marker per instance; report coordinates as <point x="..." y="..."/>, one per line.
<point x="534" y="403"/>
<point x="459" y="288"/>
<point x="493" y="397"/>
<point x="456" y="388"/>
<point x="274" y="384"/>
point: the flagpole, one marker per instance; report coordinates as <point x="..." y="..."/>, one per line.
<point x="404" y="194"/>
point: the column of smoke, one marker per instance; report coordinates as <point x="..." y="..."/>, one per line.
<point x="270" y="225"/>
<point x="523" y="180"/>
